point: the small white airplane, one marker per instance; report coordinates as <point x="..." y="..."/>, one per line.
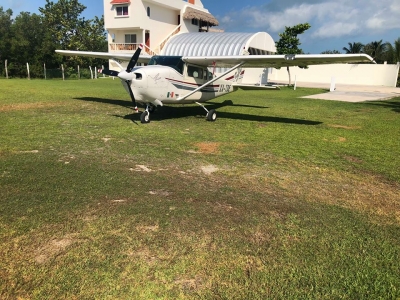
<point x="182" y="79"/>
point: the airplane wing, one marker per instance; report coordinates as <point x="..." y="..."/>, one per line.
<point x="104" y="55"/>
<point x="277" y="61"/>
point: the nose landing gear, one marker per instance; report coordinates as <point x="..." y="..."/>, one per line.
<point x="145" y="116"/>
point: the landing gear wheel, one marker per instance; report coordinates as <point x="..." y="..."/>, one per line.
<point x="211" y="115"/>
<point x="145" y="117"/>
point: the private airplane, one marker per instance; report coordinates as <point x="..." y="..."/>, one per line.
<point x="184" y="79"/>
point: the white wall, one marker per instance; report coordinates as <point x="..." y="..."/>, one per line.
<point x="361" y="74"/>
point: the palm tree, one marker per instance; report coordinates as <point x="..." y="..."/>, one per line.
<point x="377" y="50"/>
<point x="393" y="51"/>
<point x="354" y="48"/>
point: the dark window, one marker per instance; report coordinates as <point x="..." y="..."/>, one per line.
<point x="122" y="10"/>
<point x="148" y="11"/>
<point x="130" y="38"/>
<point x="195" y="72"/>
<point x="195" y="22"/>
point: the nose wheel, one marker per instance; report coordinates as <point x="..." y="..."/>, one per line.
<point x="145" y="117"/>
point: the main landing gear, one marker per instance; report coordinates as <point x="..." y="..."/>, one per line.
<point x="211" y="114"/>
<point x="150" y="108"/>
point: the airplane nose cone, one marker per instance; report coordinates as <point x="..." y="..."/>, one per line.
<point x="125" y="75"/>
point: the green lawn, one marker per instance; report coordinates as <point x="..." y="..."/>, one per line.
<point x="280" y="198"/>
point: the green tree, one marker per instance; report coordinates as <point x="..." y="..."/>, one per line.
<point x="377" y="50"/>
<point x="5" y="36"/>
<point x="67" y="30"/>
<point x="331" y="52"/>
<point x="28" y="32"/>
<point x="354" y="47"/>
<point x="393" y="51"/>
<point x="289" y="42"/>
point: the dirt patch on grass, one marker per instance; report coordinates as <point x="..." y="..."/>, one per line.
<point x="189" y="285"/>
<point x="145" y="255"/>
<point x="344" y="127"/>
<point x="25" y="106"/>
<point x="352" y="159"/>
<point x="53" y="248"/>
<point x="145" y="229"/>
<point x="207" y="147"/>
<point x="208" y="170"/>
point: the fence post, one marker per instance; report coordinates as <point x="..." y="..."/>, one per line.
<point x="6" y="69"/>
<point x="27" y="68"/>
<point x="95" y="72"/>
<point x="79" y="73"/>
<point x="91" y="72"/>
<point x="62" y="70"/>
<point x="44" y="68"/>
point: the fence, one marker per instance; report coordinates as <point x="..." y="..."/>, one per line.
<point x="40" y="71"/>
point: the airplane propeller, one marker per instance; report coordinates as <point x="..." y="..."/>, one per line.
<point x="126" y="75"/>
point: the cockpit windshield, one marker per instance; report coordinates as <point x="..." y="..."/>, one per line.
<point x="174" y="62"/>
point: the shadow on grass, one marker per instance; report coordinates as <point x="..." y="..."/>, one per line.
<point x="184" y="110"/>
<point x="394" y="105"/>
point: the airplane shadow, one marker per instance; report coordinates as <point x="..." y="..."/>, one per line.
<point x="183" y="111"/>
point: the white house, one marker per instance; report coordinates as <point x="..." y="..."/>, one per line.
<point x="152" y="22"/>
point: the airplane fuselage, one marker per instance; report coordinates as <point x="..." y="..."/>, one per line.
<point x="166" y="84"/>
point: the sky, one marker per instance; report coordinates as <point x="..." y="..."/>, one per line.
<point x="334" y="23"/>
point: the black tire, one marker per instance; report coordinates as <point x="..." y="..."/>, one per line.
<point x="145" y="117"/>
<point x="212" y="115"/>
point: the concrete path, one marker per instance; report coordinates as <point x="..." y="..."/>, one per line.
<point x="352" y="93"/>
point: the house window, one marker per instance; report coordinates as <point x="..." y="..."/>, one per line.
<point x="148" y="11"/>
<point x="130" y="38"/>
<point x="195" y="22"/>
<point x="122" y="10"/>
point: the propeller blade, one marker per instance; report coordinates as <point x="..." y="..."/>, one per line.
<point x="131" y="94"/>
<point x="134" y="59"/>
<point x="109" y="72"/>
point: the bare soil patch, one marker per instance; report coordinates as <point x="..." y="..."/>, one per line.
<point x="208" y="147"/>
<point x="53" y="248"/>
<point x="24" y="106"/>
<point x="344" y="127"/>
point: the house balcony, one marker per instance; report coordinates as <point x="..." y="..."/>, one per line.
<point x="129" y="47"/>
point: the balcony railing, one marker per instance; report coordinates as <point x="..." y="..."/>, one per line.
<point x="123" y="47"/>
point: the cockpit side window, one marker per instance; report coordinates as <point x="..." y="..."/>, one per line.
<point x="197" y="72"/>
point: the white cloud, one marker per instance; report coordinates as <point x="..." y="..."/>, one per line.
<point x="336" y="30"/>
<point x="328" y="18"/>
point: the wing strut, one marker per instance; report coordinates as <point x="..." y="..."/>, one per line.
<point x="209" y="82"/>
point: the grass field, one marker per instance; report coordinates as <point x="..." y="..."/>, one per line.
<point x="280" y="198"/>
